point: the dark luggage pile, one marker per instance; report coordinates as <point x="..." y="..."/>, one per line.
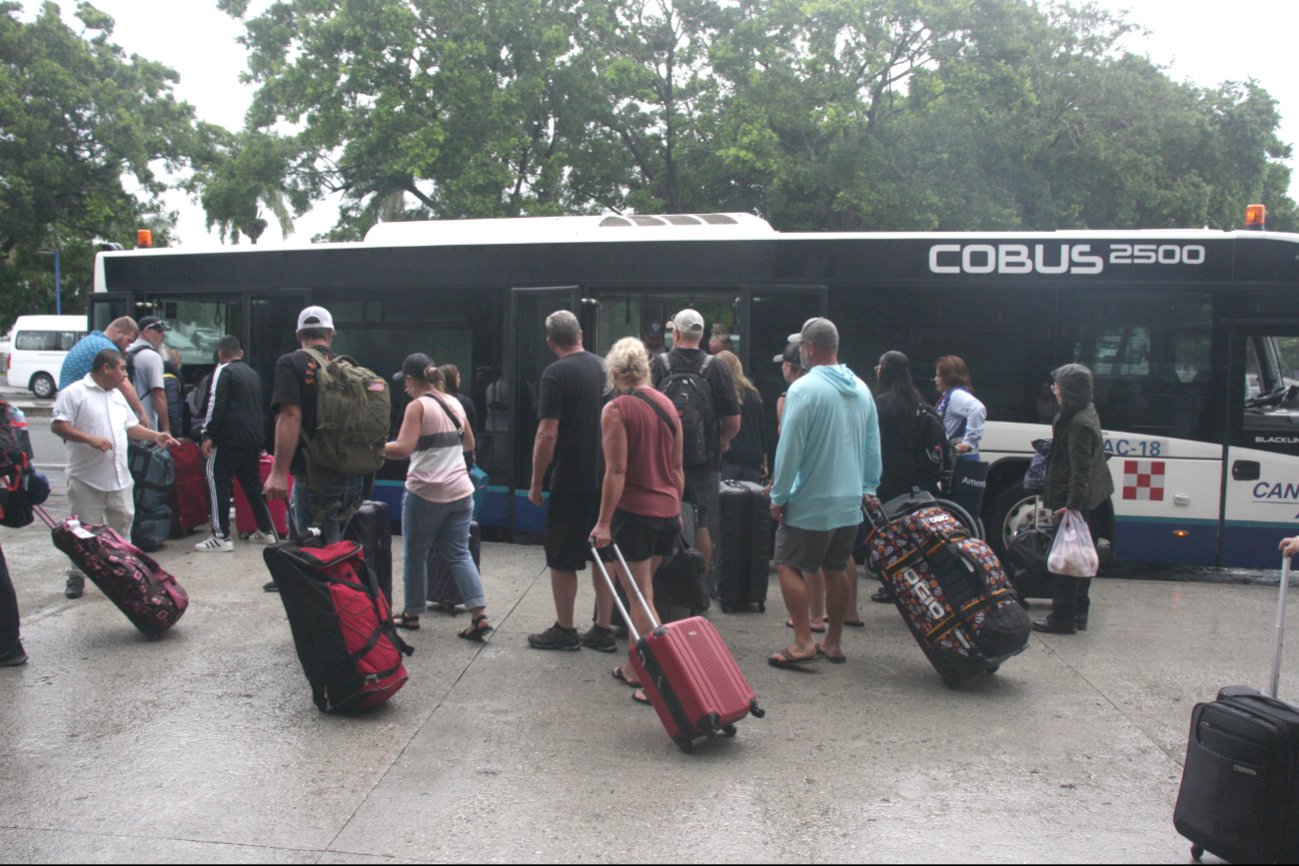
<point x="1026" y="558"/>
<point x="154" y="474"/>
<point x="745" y="547"/>
<point x="443" y="593"/>
<point x="950" y="589"/>
<point x="688" y="673"/>
<point x="150" y="597"/>
<point x="341" y="623"/>
<point x="1239" y="797"/>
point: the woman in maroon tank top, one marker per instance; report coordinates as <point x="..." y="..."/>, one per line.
<point x="640" y="504"/>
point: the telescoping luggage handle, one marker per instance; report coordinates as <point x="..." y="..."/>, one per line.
<point x="626" y="617"/>
<point x="1280" y="625"/>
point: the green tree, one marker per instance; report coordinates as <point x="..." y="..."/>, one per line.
<point x="79" y="122"/>
<point x="248" y="171"/>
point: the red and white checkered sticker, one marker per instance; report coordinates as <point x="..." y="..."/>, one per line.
<point x="1143" y="480"/>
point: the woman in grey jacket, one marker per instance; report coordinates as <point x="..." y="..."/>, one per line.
<point x="1077" y="479"/>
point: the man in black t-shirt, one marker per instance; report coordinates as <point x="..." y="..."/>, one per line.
<point x="703" y="480"/>
<point x="293" y="399"/>
<point x="570" y="397"/>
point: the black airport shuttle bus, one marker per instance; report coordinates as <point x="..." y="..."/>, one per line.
<point x="1193" y="337"/>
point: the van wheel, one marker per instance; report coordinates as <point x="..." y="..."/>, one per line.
<point x="43" y="386"/>
<point x="1013" y="508"/>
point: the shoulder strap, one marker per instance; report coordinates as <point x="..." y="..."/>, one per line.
<point x="316" y="355"/>
<point x="658" y="410"/>
<point x="708" y="359"/>
<point x="450" y="416"/>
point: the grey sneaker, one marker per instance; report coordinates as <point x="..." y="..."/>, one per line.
<point x="600" y="639"/>
<point x="555" y="638"/>
<point x="76" y="585"/>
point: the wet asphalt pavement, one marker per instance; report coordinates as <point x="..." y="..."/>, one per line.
<point x="205" y="746"/>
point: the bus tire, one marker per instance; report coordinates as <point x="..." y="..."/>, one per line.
<point x="43" y="386"/>
<point x="1012" y="508"/>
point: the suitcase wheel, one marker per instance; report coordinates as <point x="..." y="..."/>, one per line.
<point x="729" y="730"/>
<point x="992" y="670"/>
<point x="762" y="607"/>
<point x="952" y="681"/>
<point x="1197" y="851"/>
<point x="684" y="745"/>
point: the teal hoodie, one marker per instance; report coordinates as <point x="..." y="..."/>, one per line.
<point x="829" y="451"/>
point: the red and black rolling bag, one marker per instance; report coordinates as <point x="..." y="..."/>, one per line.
<point x="342" y="624"/>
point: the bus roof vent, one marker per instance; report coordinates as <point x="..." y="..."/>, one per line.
<point x="570" y="229"/>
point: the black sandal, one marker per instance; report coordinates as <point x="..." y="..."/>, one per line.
<point x="406" y="621"/>
<point x="477" y="632"/>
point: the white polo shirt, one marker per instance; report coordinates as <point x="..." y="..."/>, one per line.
<point x="96" y="412"/>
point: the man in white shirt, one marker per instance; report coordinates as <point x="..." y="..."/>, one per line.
<point x="94" y="420"/>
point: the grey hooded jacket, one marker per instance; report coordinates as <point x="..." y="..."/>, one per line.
<point x="1076" y="475"/>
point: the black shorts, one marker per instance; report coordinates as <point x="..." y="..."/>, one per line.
<point x="640" y="537"/>
<point x="570" y="517"/>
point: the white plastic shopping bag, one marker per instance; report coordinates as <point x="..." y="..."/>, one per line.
<point x="1073" y="553"/>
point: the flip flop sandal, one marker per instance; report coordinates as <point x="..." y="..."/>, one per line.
<point x="854" y="624"/>
<point x="640" y="697"/>
<point x="789" y="623"/>
<point x="836" y="660"/>
<point x="406" y="621"/>
<point x="621" y="677"/>
<point x="783" y="659"/>
<point x="477" y="632"/>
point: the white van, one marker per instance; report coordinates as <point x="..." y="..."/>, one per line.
<point x="37" y="347"/>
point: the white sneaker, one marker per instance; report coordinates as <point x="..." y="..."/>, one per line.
<point x="215" y="545"/>
<point x="260" y="537"/>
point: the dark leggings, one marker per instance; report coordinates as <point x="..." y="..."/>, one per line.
<point x="8" y="610"/>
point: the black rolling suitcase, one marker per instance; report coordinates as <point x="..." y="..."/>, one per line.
<point x="950" y="589"/>
<point x="443" y="594"/>
<point x="371" y="527"/>
<point x="745" y="547"/>
<point x="1240" y="796"/>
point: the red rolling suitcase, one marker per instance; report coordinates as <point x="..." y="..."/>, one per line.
<point x="688" y="673"/>
<point x="150" y="597"/>
<point x="245" y="522"/>
<point x="188" y="500"/>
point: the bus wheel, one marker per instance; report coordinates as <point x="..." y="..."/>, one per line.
<point x="43" y="386"/>
<point x="1013" y="508"/>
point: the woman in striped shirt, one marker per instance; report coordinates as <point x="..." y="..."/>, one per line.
<point x="439" y="501"/>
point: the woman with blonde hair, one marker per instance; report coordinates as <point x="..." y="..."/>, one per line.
<point x="640" y="500"/>
<point x="746" y="457"/>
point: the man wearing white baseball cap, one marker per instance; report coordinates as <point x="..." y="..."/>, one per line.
<point x="293" y="399"/>
<point x="676" y="374"/>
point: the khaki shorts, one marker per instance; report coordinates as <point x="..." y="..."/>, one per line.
<point x="810" y="549"/>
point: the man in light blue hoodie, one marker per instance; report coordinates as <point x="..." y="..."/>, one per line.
<point x="827" y="465"/>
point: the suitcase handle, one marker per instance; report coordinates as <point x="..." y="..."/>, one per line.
<point x="626" y="617"/>
<point x="1280" y="625"/>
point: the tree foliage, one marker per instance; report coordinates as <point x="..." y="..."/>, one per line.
<point x="85" y="135"/>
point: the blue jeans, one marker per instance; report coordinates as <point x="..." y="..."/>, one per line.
<point x="447" y="523"/>
<point x="341" y="495"/>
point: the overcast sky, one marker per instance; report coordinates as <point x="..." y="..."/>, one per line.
<point x="1204" y="41"/>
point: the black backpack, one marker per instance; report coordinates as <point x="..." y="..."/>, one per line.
<point x="15" y="467"/>
<point x="937" y="457"/>
<point x="691" y="394"/>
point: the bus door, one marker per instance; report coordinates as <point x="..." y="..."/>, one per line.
<point x="509" y="414"/>
<point x="1260" y="502"/>
<point x="768" y="315"/>
<point x="106" y="306"/>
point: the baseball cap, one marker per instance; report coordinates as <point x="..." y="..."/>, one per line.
<point x="818" y="332"/>
<point x="689" y="323"/>
<point x="155" y="323"/>
<point x="653" y="329"/>
<point x="789" y="356"/>
<point x="415" y="365"/>
<point x="315" y="317"/>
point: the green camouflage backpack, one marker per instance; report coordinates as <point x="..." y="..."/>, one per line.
<point x="351" y="420"/>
